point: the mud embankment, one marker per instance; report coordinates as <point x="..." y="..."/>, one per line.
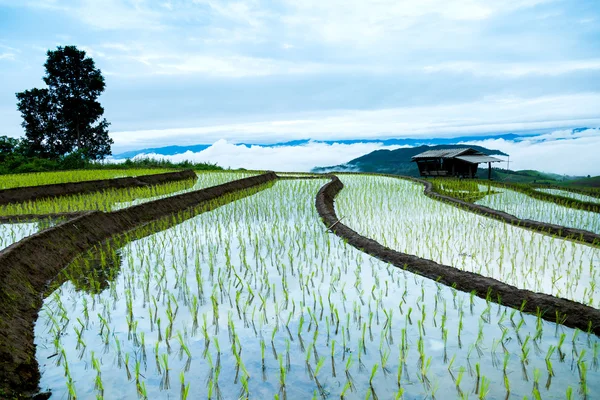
<point x="31" y="193"/>
<point x="20" y="218"/>
<point x="569" y="313"/>
<point x="551" y="229"/>
<point x="27" y="267"/>
<point x="300" y="177"/>
<point x="573" y="189"/>
<point x="555" y="198"/>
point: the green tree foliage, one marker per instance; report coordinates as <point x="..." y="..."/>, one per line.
<point x="66" y="117"/>
<point x="8" y="147"/>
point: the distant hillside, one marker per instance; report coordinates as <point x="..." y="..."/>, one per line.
<point x="172" y="150"/>
<point x="530" y="176"/>
<point x="593" y="181"/>
<point x="395" y="161"/>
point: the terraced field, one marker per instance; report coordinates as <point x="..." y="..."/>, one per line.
<point x="254" y="294"/>
<point x="49" y="178"/>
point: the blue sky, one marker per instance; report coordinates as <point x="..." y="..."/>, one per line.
<point x="197" y="71"/>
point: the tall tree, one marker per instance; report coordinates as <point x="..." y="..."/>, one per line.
<point x="67" y="116"/>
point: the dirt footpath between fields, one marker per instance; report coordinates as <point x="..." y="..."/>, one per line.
<point x="31" y="193"/>
<point x="27" y="267"/>
<point x="551" y="229"/>
<point x="571" y="314"/>
<point x="543" y="196"/>
<point x="22" y="218"/>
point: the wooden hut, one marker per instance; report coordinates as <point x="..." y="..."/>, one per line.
<point x="462" y="162"/>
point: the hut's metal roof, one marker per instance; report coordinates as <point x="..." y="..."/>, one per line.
<point x="447" y="153"/>
<point x="478" y="159"/>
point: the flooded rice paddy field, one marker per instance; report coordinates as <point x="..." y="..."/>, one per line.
<point x="109" y="200"/>
<point x="396" y="213"/>
<point x="13" y="232"/>
<point x="526" y="207"/>
<point x="570" y="195"/>
<point x="114" y="199"/>
<point x="256" y="299"/>
<point x="205" y="180"/>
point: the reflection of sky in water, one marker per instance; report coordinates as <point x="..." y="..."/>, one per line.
<point x="204" y="181"/>
<point x="416" y="224"/>
<point x="570" y="195"/>
<point x="12" y="233"/>
<point x="525" y="207"/>
<point x="256" y="247"/>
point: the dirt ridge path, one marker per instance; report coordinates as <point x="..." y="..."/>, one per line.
<point x="553" y="309"/>
<point x="27" y="267"/>
<point x="574" y="234"/>
<point x="544" y="227"/>
<point x="551" y="198"/>
<point x="21" y="218"/>
<point x="31" y="193"/>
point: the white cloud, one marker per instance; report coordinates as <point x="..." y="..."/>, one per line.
<point x="7" y="56"/>
<point x="208" y="38"/>
<point x="563" y="134"/>
<point x="280" y="158"/>
<point x="562" y="152"/>
<point x="207" y="64"/>
<point x="488" y="116"/>
<point x="362" y="63"/>
<point x="227" y="66"/>
<point x="515" y="69"/>
<point x="104" y="14"/>
<point x="118" y="15"/>
<point x="361" y="23"/>
<point x="117" y="46"/>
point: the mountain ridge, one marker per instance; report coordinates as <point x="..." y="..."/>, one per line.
<point x="398" y="161"/>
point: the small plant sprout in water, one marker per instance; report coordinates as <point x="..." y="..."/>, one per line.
<point x="250" y="296"/>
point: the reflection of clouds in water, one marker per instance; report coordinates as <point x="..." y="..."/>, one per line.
<point x="526" y="207"/>
<point x="418" y="225"/>
<point x="292" y="265"/>
<point x="570" y="195"/>
<point x="12" y="233"/>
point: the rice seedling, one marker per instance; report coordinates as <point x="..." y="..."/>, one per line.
<point x="48" y="178"/>
<point x="13" y="232"/>
<point x="115" y="199"/>
<point x="107" y="200"/>
<point x="570" y="195"/>
<point x="555" y="206"/>
<point x="519" y="257"/>
<point x="268" y="255"/>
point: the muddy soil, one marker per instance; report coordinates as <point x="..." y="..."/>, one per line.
<point x="567" y="312"/>
<point x="28" y="266"/>
<point x="8" y="219"/>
